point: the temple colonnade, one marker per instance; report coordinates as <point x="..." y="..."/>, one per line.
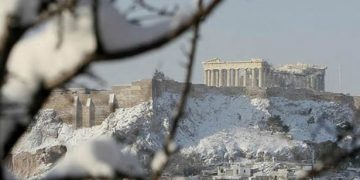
<point x="236" y="73"/>
<point x="235" y="77"/>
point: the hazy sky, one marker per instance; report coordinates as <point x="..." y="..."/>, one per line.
<point x="323" y="32"/>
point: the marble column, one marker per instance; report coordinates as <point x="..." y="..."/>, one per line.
<point x="242" y="77"/>
<point x="253" y="78"/>
<point x="323" y="82"/>
<point x="233" y="77"/>
<point x="216" y="78"/>
<point x="211" y="78"/>
<point x="205" y="77"/>
<point x="261" y="72"/>
<point x="221" y="78"/>
<point x="208" y="77"/>
<point x="236" y="77"/>
<point x="245" y="77"/>
<point x="228" y="77"/>
<point x="264" y="75"/>
<point x="308" y="82"/>
<point x="312" y="82"/>
<point x="318" y="80"/>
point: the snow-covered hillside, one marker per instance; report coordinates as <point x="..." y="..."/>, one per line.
<point x="216" y="127"/>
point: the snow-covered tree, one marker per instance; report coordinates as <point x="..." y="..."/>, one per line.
<point x="46" y="43"/>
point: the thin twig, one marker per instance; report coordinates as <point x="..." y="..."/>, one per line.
<point x="158" y="11"/>
<point x="184" y="97"/>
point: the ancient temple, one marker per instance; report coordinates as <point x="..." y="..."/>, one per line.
<point x="259" y="73"/>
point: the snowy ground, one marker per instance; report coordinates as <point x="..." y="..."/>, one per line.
<point x="216" y="127"/>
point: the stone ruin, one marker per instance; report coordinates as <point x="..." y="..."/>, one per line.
<point x="259" y="73"/>
<point x="88" y="107"/>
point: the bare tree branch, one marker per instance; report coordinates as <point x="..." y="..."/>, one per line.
<point x="95" y="7"/>
<point x="336" y="159"/>
<point x="44" y="90"/>
<point x="198" y="16"/>
<point x="13" y="33"/>
<point x="168" y="150"/>
<point x="159" y="11"/>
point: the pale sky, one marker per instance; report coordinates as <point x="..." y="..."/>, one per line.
<point x="325" y="32"/>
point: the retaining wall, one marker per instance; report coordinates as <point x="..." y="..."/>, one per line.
<point x="85" y="108"/>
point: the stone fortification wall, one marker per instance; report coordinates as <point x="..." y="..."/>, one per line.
<point x="130" y="95"/>
<point x="198" y="90"/>
<point x="85" y="108"/>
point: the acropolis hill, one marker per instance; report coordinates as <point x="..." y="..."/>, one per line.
<point x="255" y="78"/>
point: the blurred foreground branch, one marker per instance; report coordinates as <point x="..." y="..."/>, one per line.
<point x="161" y="159"/>
<point x="44" y="89"/>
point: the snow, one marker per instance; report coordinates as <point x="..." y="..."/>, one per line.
<point x="216" y="128"/>
<point x="49" y="131"/>
<point x="297" y="113"/>
<point x="118" y="34"/>
<point x="159" y="161"/>
<point x="42" y="56"/>
<point x="36" y="57"/>
<point x="98" y="158"/>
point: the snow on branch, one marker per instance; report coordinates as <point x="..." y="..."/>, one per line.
<point x="37" y="58"/>
<point x="98" y="158"/>
<point x="134" y="39"/>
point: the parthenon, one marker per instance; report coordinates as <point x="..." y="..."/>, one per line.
<point x="259" y="73"/>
